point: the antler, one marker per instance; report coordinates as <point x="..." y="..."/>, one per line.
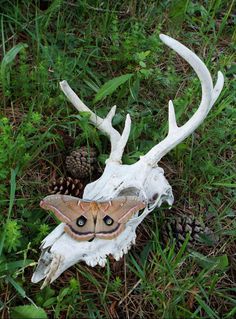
<point x="118" y="141"/>
<point x="175" y="134"/>
<point x="209" y="95"/>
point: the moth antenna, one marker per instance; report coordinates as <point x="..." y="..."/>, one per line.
<point x="80" y="205"/>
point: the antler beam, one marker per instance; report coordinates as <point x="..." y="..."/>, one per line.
<point x="118" y="141"/>
<point x="209" y="95"/>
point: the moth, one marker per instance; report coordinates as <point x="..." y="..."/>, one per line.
<point x="85" y="220"/>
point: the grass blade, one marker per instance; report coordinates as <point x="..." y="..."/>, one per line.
<point x="206" y="308"/>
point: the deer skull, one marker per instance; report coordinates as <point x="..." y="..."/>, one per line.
<point x="143" y="179"/>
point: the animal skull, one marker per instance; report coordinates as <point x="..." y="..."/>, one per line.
<point x="143" y="179"/>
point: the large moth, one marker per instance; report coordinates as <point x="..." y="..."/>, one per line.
<point x="85" y="219"/>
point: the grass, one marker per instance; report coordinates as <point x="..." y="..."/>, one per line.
<point x="89" y="43"/>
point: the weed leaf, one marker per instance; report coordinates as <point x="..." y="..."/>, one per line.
<point x="14" y="265"/>
<point x="217" y="262"/>
<point x="109" y="87"/>
<point x="178" y="10"/>
<point x="10" y="57"/>
<point x="28" y="312"/>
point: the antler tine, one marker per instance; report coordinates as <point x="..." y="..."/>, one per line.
<point x="209" y="95"/>
<point x="117" y="153"/>
<point x="118" y="141"/>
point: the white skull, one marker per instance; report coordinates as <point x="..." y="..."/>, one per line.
<point x="144" y="179"/>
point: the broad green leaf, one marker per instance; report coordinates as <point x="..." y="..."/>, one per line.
<point x="221" y="261"/>
<point x="10" y="57"/>
<point x="217" y="262"/>
<point x="14" y="265"/>
<point x="27" y="312"/>
<point x="11" y="54"/>
<point x="109" y="87"/>
<point x="178" y="10"/>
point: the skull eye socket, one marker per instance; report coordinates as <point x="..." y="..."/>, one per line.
<point x="81" y="221"/>
<point x="108" y="220"/>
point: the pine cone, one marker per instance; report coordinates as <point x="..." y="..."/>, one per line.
<point x="178" y="227"/>
<point x="66" y="186"/>
<point x="81" y="163"/>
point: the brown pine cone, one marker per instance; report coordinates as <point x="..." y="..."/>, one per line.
<point x="178" y="227"/>
<point x="66" y="186"/>
<point x="81" y="163"/>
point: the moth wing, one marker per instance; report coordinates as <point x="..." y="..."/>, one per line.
<point x="121" y="209"/>
<point x="118" y="212"/>
<point x="107" y="231"/>
<point x="85" y="232"/>
<point x="65" y="208"/>
<point x="68" y="209"/>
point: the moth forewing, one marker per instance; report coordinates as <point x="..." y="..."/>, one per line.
<point x="123" y="208"/>
<point x="64" y="207"/>
<point x="58" y="213"/>
<point x="130" y="211"/>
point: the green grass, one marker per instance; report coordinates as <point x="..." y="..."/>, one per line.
<point x="89" y="43"/>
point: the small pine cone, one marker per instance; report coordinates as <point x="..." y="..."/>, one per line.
<point x="66" y="186"/>
<point x="178" y="227"/>
<point x="81" y="163"/>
